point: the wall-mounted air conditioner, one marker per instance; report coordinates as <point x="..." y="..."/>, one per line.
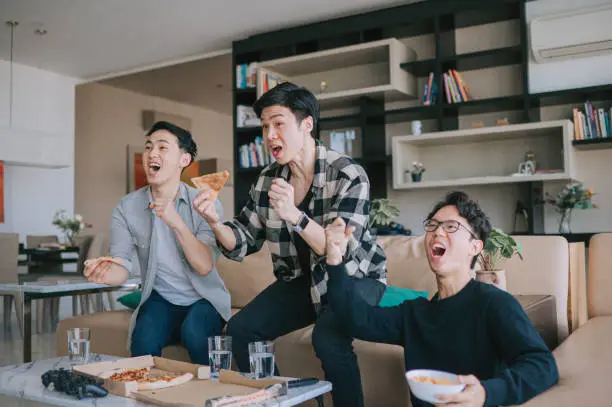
<point x="578" y="33"/>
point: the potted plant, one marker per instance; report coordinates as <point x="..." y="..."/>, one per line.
<point x="499" y="246"/>
<point x="71" y="227"/>
<point x="417" y="170"/>
<point x="382" y="218"/>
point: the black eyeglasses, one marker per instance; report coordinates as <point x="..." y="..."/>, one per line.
<point x="449" y="226"/>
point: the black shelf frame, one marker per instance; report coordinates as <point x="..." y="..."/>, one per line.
<point x="593" y="144"/>
<point x="440" y="19"/>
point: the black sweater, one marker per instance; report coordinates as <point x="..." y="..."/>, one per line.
<point x="481" y="330"/>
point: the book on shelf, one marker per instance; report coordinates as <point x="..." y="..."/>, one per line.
<point x="592" y="123"/>
<point x="430" y="91"/>
<point x="455" y="88"/>
<point x="246" y="75"/>
<point x="254" y="154"/>
<point x="270" y="80"/>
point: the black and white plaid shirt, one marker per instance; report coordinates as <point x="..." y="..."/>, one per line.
<point x="340" y="188"/>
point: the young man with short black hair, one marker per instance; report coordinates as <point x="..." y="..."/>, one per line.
<point x="469" y="328"/>
<point x="290" y="203"/>
<point x="183" y="298"/>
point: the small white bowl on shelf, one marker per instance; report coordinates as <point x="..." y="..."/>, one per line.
<point x="427" y="384"/>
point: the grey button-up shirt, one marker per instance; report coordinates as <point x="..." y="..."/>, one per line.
<point x="132" y="238"/>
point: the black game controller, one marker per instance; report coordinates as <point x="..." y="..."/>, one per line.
<point x="73" y="384"/>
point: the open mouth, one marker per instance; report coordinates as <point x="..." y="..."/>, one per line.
<point x="154" y="167"/>
<point x="438" y="250"/>
<point x="276" y="151"/>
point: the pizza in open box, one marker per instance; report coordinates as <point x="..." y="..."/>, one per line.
<point x="214" y="182"/>
<point x="147" y="380"/>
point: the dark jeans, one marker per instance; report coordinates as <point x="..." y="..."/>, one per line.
<point x="161" y="323"/>
<point x="284" y="307"/>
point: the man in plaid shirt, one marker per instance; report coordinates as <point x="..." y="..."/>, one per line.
<point x="290" y="204"/>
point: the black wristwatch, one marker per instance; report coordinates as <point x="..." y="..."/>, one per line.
<point x="301" y="224"/>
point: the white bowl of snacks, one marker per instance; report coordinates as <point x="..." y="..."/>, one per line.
<point x="428" y="384"/>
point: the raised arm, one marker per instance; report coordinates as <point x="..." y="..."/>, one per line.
<point x="363" y="321"/>
<point x="243" y="235"/>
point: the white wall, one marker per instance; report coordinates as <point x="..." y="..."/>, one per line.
<point x="42" y="101"/>
<point x="593" y="166"/>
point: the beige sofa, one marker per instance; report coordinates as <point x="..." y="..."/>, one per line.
<point x="545" y="270"/>
<point x="585" y="358"/>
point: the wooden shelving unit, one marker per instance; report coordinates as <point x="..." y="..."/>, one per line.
<point x="310" y="53"/>
<point x="485" y="156"/>
<point x="369" y="69"/>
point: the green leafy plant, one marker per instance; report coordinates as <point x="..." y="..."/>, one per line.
<point x="382" y="212"/>
<point x="498" y="246"/>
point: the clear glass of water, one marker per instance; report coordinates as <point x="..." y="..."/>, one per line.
<point x="261" y="356"/>
<point x="78" y="345"/>
<point x="219" y="354"/>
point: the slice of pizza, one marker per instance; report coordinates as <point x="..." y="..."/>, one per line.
<point x="105" y="258"/>
<point x="214" y="182"/>
<point x="163" y="381"/>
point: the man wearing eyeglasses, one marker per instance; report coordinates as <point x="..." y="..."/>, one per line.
<point x="470" y="328"/>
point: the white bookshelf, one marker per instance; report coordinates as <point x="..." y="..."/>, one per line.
<point x="485" y="156"/>
<point x="370" y="69"/>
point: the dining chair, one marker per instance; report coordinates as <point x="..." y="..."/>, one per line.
<point x="9" y="260"/>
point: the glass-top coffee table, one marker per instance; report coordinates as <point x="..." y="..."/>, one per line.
<point x="37" y="290"/>
<point x="23" y="382"/>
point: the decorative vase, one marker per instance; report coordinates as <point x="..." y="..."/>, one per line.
<point x="416" y="177"/>
<point x="564" y="223"/>
<point x="495" y="277"/>
<point x="69" y="238"/>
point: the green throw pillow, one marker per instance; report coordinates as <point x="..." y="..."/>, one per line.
<point x="396" y="295"/>
<point x="131" y="300"/>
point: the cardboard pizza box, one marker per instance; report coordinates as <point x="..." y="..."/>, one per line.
<point x="157" y="365"/>
<point x="193" y="393"/>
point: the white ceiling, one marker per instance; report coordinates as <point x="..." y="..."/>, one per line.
<point x="93" y="38"/>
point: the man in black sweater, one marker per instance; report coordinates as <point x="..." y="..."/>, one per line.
<point x="470" y="328"/>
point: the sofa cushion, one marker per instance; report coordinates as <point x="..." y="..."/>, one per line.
<point x="543" y="270"/>
<point x="246" y="279"/>
<point x="585" y="368"/>
<point x="396" y="295"/>
<point x="130" y="300"/>
<point x="407" y="264"/>
<point x="600" y="275"/>
<point x="109" y="332"/>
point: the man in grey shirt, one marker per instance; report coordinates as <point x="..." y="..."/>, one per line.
<point x="183" y="297"/>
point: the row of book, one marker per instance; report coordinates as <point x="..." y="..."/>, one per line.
<point x="456" y="89"/>
<point x="255" y="154"/>
<point x="246" y="75"/>
<point x="593" y="123"/>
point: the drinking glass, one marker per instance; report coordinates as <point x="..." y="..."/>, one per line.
<point x="261" y="356"/>
<point x="78" y="345"/>
<point x="219" y="354"/>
